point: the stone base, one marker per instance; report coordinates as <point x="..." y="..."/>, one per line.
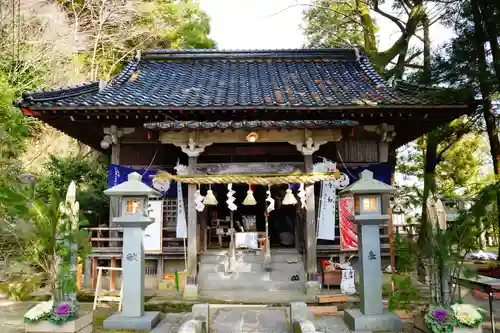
<point x="299" y="312"/>
<point x="386" y="322"/>
<point x="83" y="324"/>
<point x="146" y="322"/>
<point x="312" y="288"/>
<point x="191" y="291"/>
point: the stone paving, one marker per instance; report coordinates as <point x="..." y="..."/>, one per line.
<point x="245" y="320"/>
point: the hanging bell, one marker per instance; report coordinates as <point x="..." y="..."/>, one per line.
<point x="250" y="199"/>
<point x="289" y="198"/>
<point x="210" y="199"/>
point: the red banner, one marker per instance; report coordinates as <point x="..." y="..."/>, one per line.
<point x="348" y="229"/>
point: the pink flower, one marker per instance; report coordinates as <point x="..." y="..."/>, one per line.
<point x="63" y="309"/>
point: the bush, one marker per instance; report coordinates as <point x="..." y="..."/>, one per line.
<point x="20" y="286"/>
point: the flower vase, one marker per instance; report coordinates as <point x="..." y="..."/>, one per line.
<point x="82" y="324"/>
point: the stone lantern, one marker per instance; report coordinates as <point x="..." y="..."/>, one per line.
<point x="133" y="219"/>
<point x="369" y="215"/>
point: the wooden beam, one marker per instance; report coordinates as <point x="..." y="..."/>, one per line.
<point x="239" y="136"/>
<point x="250" y="149"/>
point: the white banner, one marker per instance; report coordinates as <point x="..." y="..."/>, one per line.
<point x="328" y="199"/>
<point x="180" y="229"/>
<point x="153" y="234"/>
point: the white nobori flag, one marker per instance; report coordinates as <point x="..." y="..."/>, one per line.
<point x="180" y="230"/>
<point x="326" y="216"/>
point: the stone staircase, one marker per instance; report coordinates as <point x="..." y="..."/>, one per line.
<point x="247" y="272"/>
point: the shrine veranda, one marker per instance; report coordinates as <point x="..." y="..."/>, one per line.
<point x="277" y="112"/>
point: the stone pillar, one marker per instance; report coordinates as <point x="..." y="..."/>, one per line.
<point x="192" y="149"/>
<point x="133" y="272"/>
<point x="369" y="214"/>
<point x="308" y="147"/>
<point x="370" y="274"/>
<point x="133" y="220"/>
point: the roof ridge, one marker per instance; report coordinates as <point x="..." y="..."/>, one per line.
<point x="58" y="93"/>
<point x="339" y="54"/>
<point x="126" y="72"/>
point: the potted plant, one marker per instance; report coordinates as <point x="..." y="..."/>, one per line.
<point x="444" y="255"/>
<point x="468" y="318"/>
<point x="53" y="244"/>
<point x="435" y="319"/>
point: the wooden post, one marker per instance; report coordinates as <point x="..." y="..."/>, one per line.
<point x="79" y="271"/>
<point x="112" y="275"/>
<point x="311" y="260"/>
<point x="94" y="273"/>
<point x="191" y="226"/>
<point x="114" y="202"/>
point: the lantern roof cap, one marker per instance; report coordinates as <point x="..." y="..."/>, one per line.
<point x="367" y="184"/>
<point x="132" y="187"/>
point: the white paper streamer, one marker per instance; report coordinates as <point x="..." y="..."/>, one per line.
<point x="198" y="200"/>
<point x="303" y="196"/>
<point x="230" y="198"/>
<point x="269" y="199"/>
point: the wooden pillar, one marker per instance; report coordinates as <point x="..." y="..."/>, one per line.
<point x="311" y="260"/>
<point x="114" y="202"/>
<point x="79" y="272"/>
<point x="87" y="274"/>
<point x="308" y="147"/>
<point x="192" y="253"/>
<point x="112" y="275"/>
<point x="94" y="273"/>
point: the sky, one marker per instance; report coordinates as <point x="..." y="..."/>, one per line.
<point x="275" y="24"/>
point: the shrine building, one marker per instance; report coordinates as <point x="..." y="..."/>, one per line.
<point x="212" y="114"/>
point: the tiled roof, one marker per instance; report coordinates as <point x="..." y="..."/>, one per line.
<point x="212" y="79"/>
<point x="251" y="124"/>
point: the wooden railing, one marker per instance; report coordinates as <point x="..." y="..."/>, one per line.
<point x="109" y="241"/>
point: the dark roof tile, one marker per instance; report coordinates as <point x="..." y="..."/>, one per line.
<point x="326" y="78"/>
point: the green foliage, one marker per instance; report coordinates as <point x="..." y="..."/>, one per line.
<point x="13" y="132"/>
<point x="117" y="31"/>
<point x="90" y="176"/>
<point x="19" y="287"/>
<point x="405" y="247"/>
<point x="405" y="294"/>
<point x="333" y="24"/>
<point x="48" y="235"/>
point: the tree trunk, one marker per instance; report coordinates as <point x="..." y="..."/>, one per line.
<point x="487" y="14"/>
<point x="426" y="76"/>
<point x="382" y="59"/>
<point x="484" y="85"/>
<point x="425" y="232"/>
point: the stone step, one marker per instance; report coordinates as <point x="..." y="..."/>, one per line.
<point x="274" y="280"/>
<point x="172" y="322"/>
<point x="243" y="320"/>
<point x="257" y="296"/>
<point x="211" y="258"/>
